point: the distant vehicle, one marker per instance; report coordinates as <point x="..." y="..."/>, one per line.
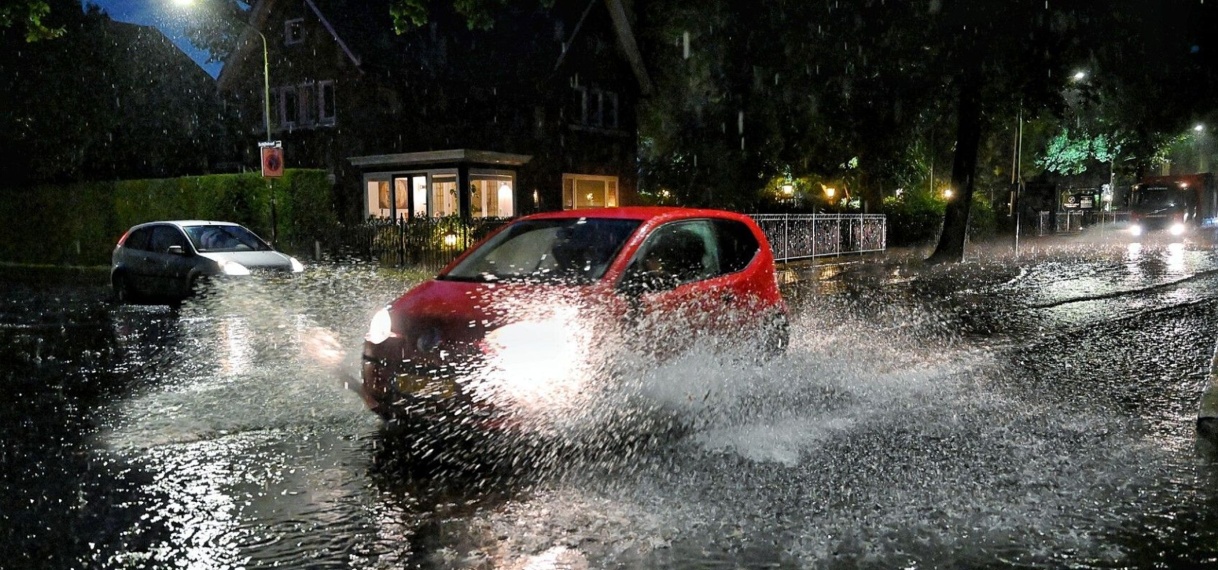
<point x="540" y="296"/>
<point x="171" y="260"/>
<point x="1173" y="204"/>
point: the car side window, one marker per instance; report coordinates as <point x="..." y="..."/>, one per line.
<point x="674" y="254"/>
<point x="737" y="245"/>
<point x="165" y="236"/>
<point x="139" y="239"/>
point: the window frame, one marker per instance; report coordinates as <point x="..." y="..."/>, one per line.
<point x="574" y="179"/>
<point x="322" y="99"/>
<point x="289" y="26"/>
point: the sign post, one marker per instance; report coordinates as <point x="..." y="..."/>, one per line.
<point x="272" y="168"/>
<point x="272" y="159"/>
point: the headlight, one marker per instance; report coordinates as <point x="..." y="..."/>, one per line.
<point x="381" y="327"/>
<point x="297" y="266"/>
<point x="1177" y="229"/>
<point x="233" y="268"/>
<point x="1135" y="230"/>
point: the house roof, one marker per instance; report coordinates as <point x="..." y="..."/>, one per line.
<point x="428" y="158"/>
<point x="365" y="28"/>
<point x="258" y="16"/>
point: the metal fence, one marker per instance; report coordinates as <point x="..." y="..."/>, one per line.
<point x="432" y="243"/>
<point x="1071" y="222"/>
<point x="805" y="236"/>
<point x="425" y="243"/>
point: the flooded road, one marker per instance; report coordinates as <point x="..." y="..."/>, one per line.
<point x="1003" y="414"/>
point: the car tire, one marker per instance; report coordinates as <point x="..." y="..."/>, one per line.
<point x="124" y="293"/>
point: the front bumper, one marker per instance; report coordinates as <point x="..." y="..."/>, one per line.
<point x="397" y="385"/>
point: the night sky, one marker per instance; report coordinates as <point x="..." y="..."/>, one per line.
<point x="162" y="14"/>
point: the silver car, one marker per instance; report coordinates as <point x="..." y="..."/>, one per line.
<point x="171" y="260"/>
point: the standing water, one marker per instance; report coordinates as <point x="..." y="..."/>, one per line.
<point x="1009" y="413"/>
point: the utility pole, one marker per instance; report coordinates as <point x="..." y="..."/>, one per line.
<point x="1017" y="177"/>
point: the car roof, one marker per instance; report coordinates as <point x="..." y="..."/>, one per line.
<point x="642" y="213"/>
<point x="185" y="223"/>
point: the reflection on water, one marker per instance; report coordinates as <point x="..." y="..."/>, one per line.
<point x="883" y="438"/>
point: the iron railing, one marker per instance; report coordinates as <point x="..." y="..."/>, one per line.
<point x="1072" y="222"/>
<point x="431" y="243"/>
<point x="428" y="243"/>
<point x="805" y="236"/>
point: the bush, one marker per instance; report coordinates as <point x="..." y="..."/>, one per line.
<point x="914" y="218"/>
<point x="78" y="224"/>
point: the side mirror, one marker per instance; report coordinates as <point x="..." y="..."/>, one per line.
<point x="175" y="250"/>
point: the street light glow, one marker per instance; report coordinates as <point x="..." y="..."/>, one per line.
<point x="830" y="191"/>
<point x="947" y="193"/>
<point x="1199" y="127"/>
<point x="1080" y="75"/>
<point x="266" y="68"/>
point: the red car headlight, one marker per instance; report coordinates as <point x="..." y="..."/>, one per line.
<point x="381" y="327"/>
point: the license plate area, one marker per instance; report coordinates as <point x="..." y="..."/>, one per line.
<point x="425" y="386"/>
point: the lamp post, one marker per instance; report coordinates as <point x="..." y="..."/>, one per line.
<point x="266" y="70"/>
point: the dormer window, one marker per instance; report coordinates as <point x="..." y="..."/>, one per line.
<point x="293" y="31"/>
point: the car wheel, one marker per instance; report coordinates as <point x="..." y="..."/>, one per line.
<point x="124" y="293"/>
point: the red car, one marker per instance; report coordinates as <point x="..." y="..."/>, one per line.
<point x="520" y="318"/>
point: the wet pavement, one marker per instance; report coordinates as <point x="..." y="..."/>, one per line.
<point x="1003" y="413"/>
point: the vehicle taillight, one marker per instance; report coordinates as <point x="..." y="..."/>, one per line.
<point x="123" y="239"/>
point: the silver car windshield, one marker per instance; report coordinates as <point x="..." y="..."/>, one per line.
<point x="224" y="238"/>
<point x="572" y="250"/>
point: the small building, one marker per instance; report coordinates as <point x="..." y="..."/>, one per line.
<point x="537" y="113"/>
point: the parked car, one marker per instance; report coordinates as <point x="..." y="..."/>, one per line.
<point x="171" y="260"/>
<point x="513" y="319"/>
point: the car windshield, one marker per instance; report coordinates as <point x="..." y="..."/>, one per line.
<point x="573" y="250"/>
<point x="224" y="238"/>
<point x="1152" y="197"/>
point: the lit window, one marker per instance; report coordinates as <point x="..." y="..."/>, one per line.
<point x="293" y="31"/>
<point x="586" y="191"/>
<point x="444" y="196"/>
<point x="492" y="196"/>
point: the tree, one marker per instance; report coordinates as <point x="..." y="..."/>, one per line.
<point x="81" y="107"/>
<point x="216" y="25"/>
<point x="29" y="14"/>
<point x="478" y="14"/>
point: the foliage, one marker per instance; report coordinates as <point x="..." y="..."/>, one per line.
<point x="29" y="14"/>
<point x="80" y="107"/>
<point x="215" y="26"/>
<point x="45" y="228"/>
<point x="478" y="14"/>
<point x="916" y="218"/>
<point x="1073" y="155"/>
<point x="913" y="218"/>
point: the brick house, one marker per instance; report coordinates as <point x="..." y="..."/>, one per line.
<point x="535" y="114"/>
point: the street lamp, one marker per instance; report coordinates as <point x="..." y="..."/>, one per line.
<point x="266" y="69"/>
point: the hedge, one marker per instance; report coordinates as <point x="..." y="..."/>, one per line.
<point x="79" y="223"/>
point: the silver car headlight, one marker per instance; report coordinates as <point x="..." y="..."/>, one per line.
<point x="1177" y="229"/>
<point x="297" y="266"/>
<point x="233" y="268"/>
<point x="381" y="327"/>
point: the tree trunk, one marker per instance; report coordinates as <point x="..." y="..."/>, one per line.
<point x="964" y="166"/>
